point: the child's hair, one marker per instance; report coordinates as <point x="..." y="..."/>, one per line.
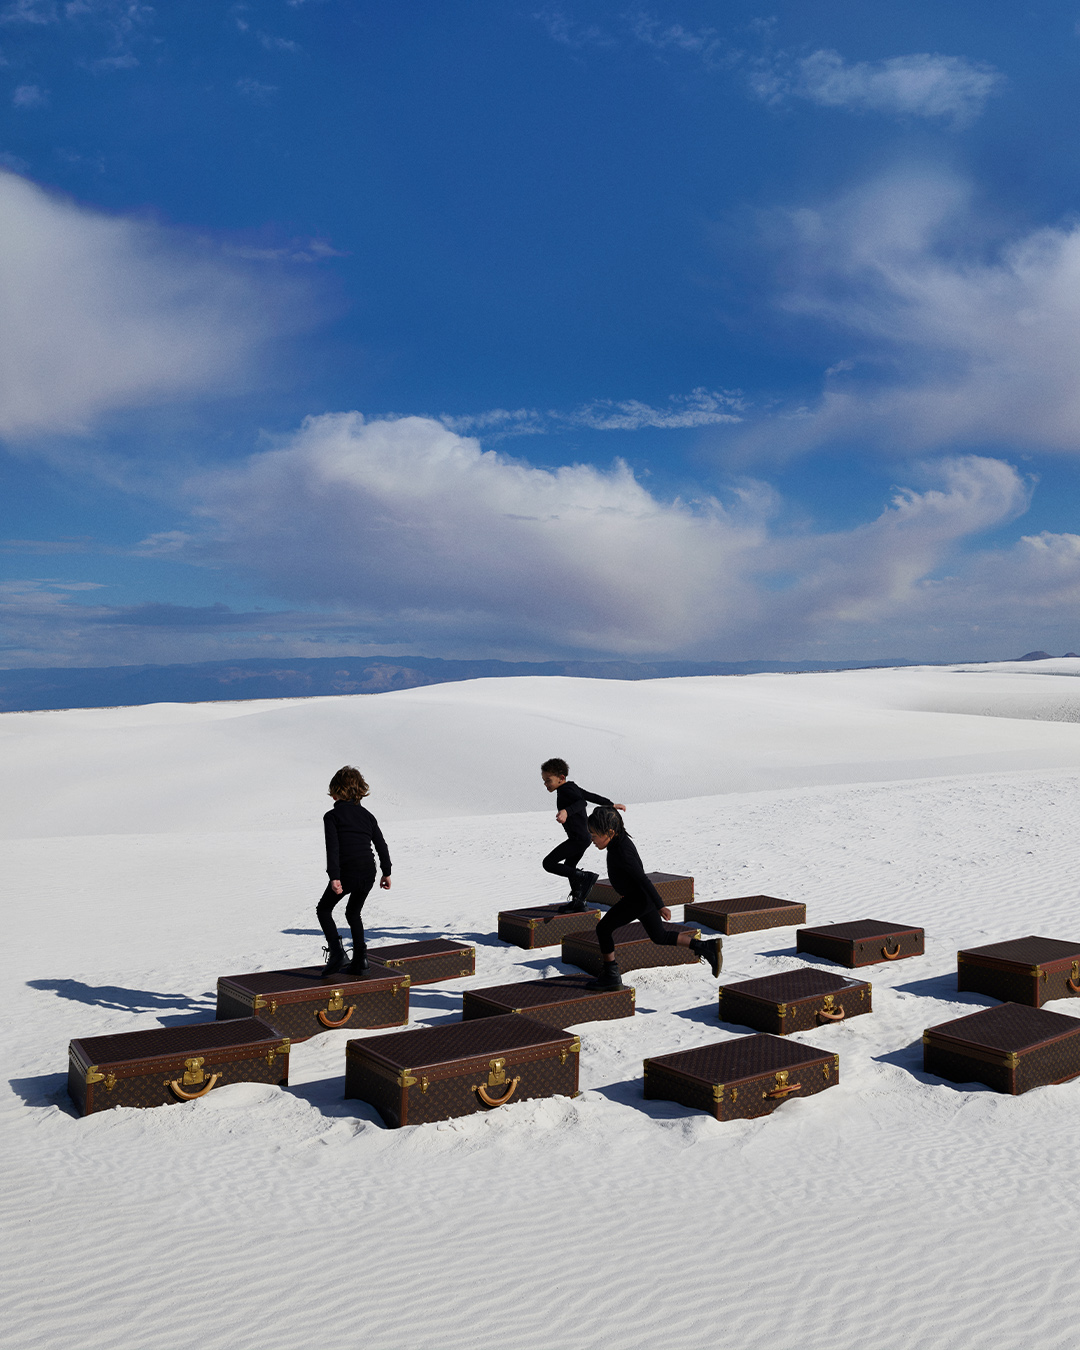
<point x="606" y="820"/>
<point x="348" y="784"/>
<point x="559" y="767"/>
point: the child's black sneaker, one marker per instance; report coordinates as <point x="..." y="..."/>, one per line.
<point x="609" y="978"/>
<point x="709" y="952"/>
<point x="359" y="963"/>
<point x="583" y="884"/>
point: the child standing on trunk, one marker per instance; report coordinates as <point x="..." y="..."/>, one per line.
<point x="640" y="900"/>
<point x="351" y="833"/>
<point x="570" y="813"/>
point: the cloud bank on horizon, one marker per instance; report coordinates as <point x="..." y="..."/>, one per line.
<point x="821" y="426"/>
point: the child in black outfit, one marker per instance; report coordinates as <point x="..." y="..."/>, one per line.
<point x="570" y="802"/>
<point x="640" y="900"/>
<point x="351" y="831"/>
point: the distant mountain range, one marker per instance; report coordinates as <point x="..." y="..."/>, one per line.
<point x="262" y="677"/>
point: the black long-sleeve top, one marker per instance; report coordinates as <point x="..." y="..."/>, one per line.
<point x="626" y="872"/>
<point x="351" y="833"/>
<point x="571" y="799"/>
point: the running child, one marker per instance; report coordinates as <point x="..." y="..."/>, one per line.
<point x="351" y="832"/>
<point x="570" y="803"/>
<point x="640" y="901"/>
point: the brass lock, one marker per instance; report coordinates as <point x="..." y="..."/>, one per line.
<point x="193" y="1072"/>
<point x="829" y="1003"/>
<point x="496" y="1072"/>
<point x="336" y="1002"/>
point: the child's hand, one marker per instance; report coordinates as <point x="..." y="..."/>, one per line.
<point x="560" y="816"/>
<point x="619" y="806"/>
<point x="335" y="886"/>
<point x="665" y="914"/>
<point x="385" y="883"/>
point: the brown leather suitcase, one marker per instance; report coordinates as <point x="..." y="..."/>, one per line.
<point x="745" y="914"/>
<point x="543" y="925"/>
<point x="634" y="950"/>
<point x="674" y="890"/>
<point x="796" y="1000"/>
<point x="458" y="1069"/>
<point x="1031" y="970"/>
<point x="426" y="962"/>
<point x="299" y="1004"/>
<point x="1012" y="1048"/>
<point x="562" y="1001"/>
<point x="173" y="1064"/>
<point x="741" y="1078"/>
<point x="862" y="943"/>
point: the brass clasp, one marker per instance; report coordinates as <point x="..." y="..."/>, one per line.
<point x="496" y="1072"/>
<point x="193" y="1072"/>
<point x="336" y="1002"/>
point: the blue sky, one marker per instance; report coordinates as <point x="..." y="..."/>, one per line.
<point x="531" y="331"/>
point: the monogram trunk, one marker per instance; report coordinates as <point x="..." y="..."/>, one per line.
<point x="1012" y="1048"/>
<point x="797" y="1000"/>
<point x="741" y="1078"/>
<point x="1031" y="970"/>
<point x="562" y="1001"/>
<point x="862" y="943"/>
<point x="745" y="914"/>
<point x="427" y="962"/>
<point x="674" y="890"/>
<point x="299" y="1004"/>
<point x="435" y="1073"/>
<point x="634" y="949"/>
<point x="173" y="1064"/>
<point x="543" y="925"/>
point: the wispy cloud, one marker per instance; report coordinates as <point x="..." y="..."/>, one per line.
<point x="948" y="344"/>
<point x="920" y="85"/>
<point x="29" y="96"/>
<point x="255" y="89"/>
<point x="700" y="408"/>
<point x="570" y="33"/>
<point x="99" y="313"/>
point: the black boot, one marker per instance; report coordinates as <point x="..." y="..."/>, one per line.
<point x="359" y="962"/>
<point x="609" y="978"/>
<point x="580" y="887"/>
<point x="335" y="959"/>
<point x="709" y="952"/>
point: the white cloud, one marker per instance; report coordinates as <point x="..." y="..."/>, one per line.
<point x="29" y="96"/>
<point x="919" y="85"/>
<point x="957" y="343"/>
<point x="99" y="313"/>
<point x="700" y="408"/>
<point x="420" y="531"/>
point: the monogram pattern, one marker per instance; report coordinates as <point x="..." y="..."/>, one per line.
<point x="563" y="1001"/>
<point x="542" y="926"/>
<point x="293" y="999"/>
<point x="806" y="997"/>
<point x="634" y="950"/>
<point x="1012" y="1049"/>
<point x="863" y="943"/>
<point x="746" y="914"/>
<point x="674" y="889"/>
<point x="427" y="962"/>
<point x="1031" y="970"/>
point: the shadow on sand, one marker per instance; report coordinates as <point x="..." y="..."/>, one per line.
<point x="118" y="999"/>
<point x="46" y="1089"/>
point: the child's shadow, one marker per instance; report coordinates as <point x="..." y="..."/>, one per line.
<point x="394" y="935"/>
<point x="118" y="999"/>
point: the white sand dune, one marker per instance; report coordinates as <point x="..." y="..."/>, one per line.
<point x="150" y="850"/>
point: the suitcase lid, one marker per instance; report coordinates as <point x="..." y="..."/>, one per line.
<point x="1030" y="952"/>
<point x="741" y="903"/>
<point x="405" y="951"/>
<point x="456" y="1044"/>
<point x="742" y="1057"/>
<point x="655" y="877"/>
<point x="303" y="984"/>
<point x="538" y="993"/>
<point x="538" y="914"/>
<point x="1008" y="1029"/>
<point x="134" y="1049"/>
<point x="861" y="928"/>
<point x="630" y="932"/>
<point x="792" y="984"/>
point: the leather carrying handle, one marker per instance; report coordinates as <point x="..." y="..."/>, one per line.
<point x="891" y="956"/>
<point x="1073" y="986"/>
<point x="832" y="1016"/>
<point x="190" y="1096"/>
<point x="488" y="1100"/>
<point x="340" y="1022"/>
<point x="783" y="1091"/>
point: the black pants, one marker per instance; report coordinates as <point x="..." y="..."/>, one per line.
<point x="357" y="888"/>
<point x="563" y="860"/>
<point x="626" y="910"/>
